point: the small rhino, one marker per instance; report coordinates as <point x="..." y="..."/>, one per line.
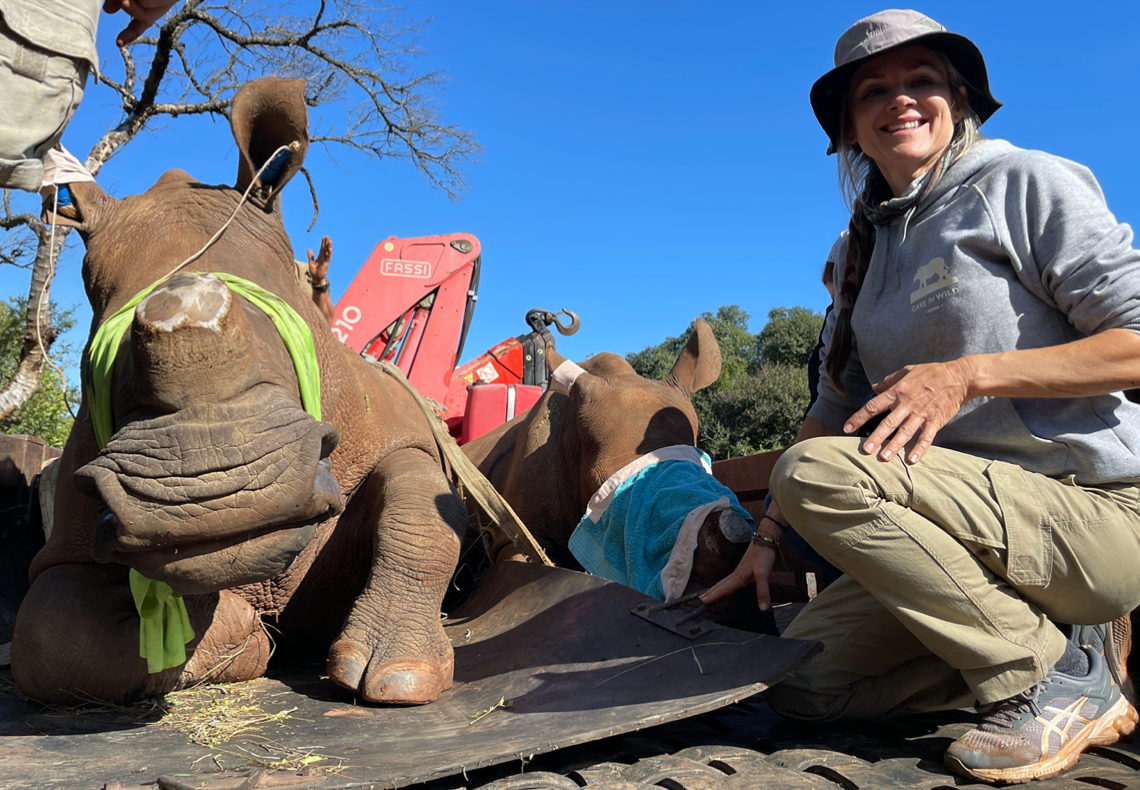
<point x="216" y="480"/>
<point x="548" y="462"/>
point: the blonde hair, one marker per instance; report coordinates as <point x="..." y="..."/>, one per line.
<point x="861" y="184"/>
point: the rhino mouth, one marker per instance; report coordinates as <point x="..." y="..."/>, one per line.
<point x="216" y="495"/>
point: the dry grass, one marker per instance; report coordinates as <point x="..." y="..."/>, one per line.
<point x="213" y="714"/>
<point x="275" y="756"/>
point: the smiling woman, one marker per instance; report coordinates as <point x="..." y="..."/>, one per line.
<point x="988" y="311"/>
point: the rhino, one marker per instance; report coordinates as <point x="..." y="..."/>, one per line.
<point x="218" y="480"/>
<point x="548" y="462"/>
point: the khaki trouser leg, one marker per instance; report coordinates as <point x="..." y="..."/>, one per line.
<point x="972" y="557"/>
<point x="871" y="665"/>
<point x="39" y="92"/>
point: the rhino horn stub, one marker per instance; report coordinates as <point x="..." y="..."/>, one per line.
<point x="191" y="339"/>
<point x="191" y="300"/>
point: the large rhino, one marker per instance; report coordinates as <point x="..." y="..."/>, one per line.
<point x="549" y="462"/>
<point x="217" y="482"/>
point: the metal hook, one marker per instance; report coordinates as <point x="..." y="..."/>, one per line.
<point x="566" y="329"/>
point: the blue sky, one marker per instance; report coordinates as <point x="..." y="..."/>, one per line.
<point x="647" y="162"/>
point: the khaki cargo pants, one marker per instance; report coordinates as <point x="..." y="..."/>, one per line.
<point x="39" y="92"/>
<point x="955" y="567"/>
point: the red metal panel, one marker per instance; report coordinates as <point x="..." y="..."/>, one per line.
<point x="488" y="407"/>
<point x="503" y="364"/>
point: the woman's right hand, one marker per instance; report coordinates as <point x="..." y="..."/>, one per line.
<point x="754" y="568"/>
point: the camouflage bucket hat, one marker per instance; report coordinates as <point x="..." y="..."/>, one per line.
<point x="884" y="31"/>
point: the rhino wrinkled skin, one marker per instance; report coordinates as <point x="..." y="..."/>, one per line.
<point x="342" y="532"/>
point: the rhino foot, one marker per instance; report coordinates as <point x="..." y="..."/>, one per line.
<point x="398" y="681"/>
<point x="234" y="647"/>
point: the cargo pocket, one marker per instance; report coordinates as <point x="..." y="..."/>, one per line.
<point x="1028" y="524"/>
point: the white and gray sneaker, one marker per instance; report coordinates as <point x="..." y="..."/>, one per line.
<point x="1042" y="731"/>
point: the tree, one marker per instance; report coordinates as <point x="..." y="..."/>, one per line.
<point x="790" y="336"/>
<point x="730" y="327"/>
<point x="354" y="55"/>
<point x="45" y="414"/>
<point x="759" y="400"/>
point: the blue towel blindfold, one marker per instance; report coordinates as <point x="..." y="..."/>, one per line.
<point x="633" y="539"/>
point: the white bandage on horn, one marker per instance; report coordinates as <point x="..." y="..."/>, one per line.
<point x="564" y="376"/>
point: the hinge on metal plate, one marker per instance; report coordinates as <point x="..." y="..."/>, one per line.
<point x="672" y="617"/>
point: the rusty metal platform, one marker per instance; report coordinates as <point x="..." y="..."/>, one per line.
<point x="544" y="659"/>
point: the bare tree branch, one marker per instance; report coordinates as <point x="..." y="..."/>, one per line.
<point x="357" y="57"/>
<point x="39" y="333"/>
<point x="19" y="245"/>
<point x="313" y="195"/>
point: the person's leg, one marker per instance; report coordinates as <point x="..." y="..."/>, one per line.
<point x="39" y="91"/>
<point x="970" y="555"/>
<point x="871" y="665"/>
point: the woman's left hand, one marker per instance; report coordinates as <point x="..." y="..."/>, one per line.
<point x="921" y="399"/>
<point x="319" y="265"/>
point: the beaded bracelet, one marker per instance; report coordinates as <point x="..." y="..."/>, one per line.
<point x="764" y="540"/>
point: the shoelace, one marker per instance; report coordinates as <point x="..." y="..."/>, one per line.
<point x="1003" y="714"/>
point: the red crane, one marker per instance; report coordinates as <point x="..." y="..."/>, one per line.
<point x="411" y="304"/>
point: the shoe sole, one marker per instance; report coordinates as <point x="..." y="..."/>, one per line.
<point x="1120" y="720"/>
<point x="1116" y="654"/>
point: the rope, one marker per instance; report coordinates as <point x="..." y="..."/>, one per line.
<point x="291" y="147"/>
<point x="53" y="256"/>
<point x="485" y="495"/>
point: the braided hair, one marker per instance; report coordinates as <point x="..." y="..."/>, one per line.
<point x="863" y="186"/>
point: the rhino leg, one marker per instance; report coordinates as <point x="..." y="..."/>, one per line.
<point x="392" y="648"/>
<point x="77" y="640"/>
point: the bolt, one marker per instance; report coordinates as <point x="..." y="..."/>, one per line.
<point x="462" y="245"/>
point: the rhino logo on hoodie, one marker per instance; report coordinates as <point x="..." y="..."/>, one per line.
<point x="930" y="278"/>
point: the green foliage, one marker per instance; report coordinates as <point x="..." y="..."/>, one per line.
<point x="762" y="411"/>
<point x="730" y="327"/>
<point x="759" y="400"/>
<point x="790" y="335"/>
<point x="45" y="414"/>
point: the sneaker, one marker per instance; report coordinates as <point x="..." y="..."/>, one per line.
<point x="1042" y="731"/>
<point x="1114" y="642"/>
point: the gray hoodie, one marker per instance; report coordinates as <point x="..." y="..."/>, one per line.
<point x="1012" y="249"/>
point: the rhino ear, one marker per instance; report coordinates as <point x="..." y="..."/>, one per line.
<point x="86" y="205"/>
<point x="699" y="363"/>
<point x="266" y="115"/>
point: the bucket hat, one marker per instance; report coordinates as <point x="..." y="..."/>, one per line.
<point x="884" y="31"/>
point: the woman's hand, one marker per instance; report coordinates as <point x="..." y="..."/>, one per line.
<point x="921" y="399"/>
<point x="145" y="13"/>
<point x="754" y="568"/>
<point x="319" y="265"/>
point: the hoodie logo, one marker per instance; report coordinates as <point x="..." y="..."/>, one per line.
<point x="932" y="277"/>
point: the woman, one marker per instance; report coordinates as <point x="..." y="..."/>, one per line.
<point x="988" y="306"/>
